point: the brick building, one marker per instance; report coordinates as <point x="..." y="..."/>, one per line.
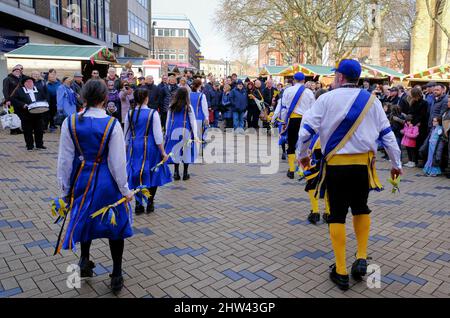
<point x="176" y="41"/>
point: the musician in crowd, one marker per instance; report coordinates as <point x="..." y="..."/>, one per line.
<point x="23" y="100"/>
<point x="10" y="84"/>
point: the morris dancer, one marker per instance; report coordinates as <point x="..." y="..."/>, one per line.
<point x="349" y="121"/>
<point x="200" y="104"/>
<point x="299" y="100"/>
<point x="92" y="174"/>
<point x="181" y="135"/>
<point x="145" y="149"/>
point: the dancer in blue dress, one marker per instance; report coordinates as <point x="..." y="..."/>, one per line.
<point x="200" y="104"/>
<point x="92" y="174"/>
<point x="181" y="134"/>
<point x="145" y="150"/>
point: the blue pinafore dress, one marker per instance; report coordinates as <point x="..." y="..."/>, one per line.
<point x="196" y="101"/>
<point x="93" y="186"/>
<point x="179" y="133"/>
<point x="143" y="154"/>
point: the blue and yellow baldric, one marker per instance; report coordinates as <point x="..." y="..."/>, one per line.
<point x="295" y="103"/>
<point x="339" y="139"/>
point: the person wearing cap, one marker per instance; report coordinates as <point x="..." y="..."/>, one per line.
<point x="32" y="125"/>
<point x="77" y="85"/>
<point x="296" y="101"/>
<point x="349" y="121"/>
<point x="429" y="96"/>
<point x="393" y="98"/>
<point x="10" y="84"/>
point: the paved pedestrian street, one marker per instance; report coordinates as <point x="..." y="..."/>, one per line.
<point x="228" y="232"/>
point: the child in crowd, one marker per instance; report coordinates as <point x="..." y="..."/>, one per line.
<point x="410" y="134"/>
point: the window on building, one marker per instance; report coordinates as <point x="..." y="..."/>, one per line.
<point x="272" y="61"/>
<point x="85" y="16"/>
<point x="137" y="26"/>
<point x="143" y="3"/>
<point x="160" y="56"/>
<point x="173" y="32"/>
<point x="54" y="11"/>
<point x="75" y="15"/>
<point x="93" y="18"/>
<point x="107" y="21"/>
<point x="160" y="32"/>
<point x="65" y="12"/>
<point x="166" y="56"/>
<point x="101" y="20"/>
<point x="166" y="32"/>
<point x="182" y="33"/>
<point x="181" y="57"/>
<point x="272" y="45"/>
<point x="173" y="57"/>
<point x="27" y="3"/>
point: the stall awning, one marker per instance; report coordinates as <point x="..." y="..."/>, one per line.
<point x="272" y="70"/>
<point x="382" y="72"/>
<point x="437" y="73"/>
<point x="63" y="52"/>
<point x="308" y="70"/>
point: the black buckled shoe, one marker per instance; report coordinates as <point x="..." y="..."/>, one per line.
<point x="86" y="268"/>
<point x="150" y="207"/>
<point x="325" y="217"/>
<point x="186" y="177"/>
<point x="176" y="176"/>
<point x="359" y="269"/>
<point x="291" y="175"/>
<point x="314" y="218"/>
<point x="116" y="284"/>
<point x="341" y="281"/>
<point x="139" y="209"/>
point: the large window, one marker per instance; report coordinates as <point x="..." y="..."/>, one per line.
<point x="181" y="57"/>
<point x="27" y="3"/>
<point x="137" y="26"/>
<point x="54" y="11"/>
<point x="85" y="16"/>
<point x="143" y="3"/>
<point x="101" y="21"/>
<point x="93" y="18"/>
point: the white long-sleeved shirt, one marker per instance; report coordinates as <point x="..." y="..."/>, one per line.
<point x="307" y="100"/>
<point x="192" y="121"/>
<point x="156" y="127"/>
<point x="330" y="110"/>
<point x="116" y="155"/>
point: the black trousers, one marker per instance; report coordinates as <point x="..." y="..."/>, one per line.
<point x="33" y="130"/>
<point x="253" y="117"/>
<point x="48" y="118"/>
<point x="412" y="154"/>
<point x="293" y="129"/>
<point x="347" y="187"/>
<point x="116" y="248"/>
<point x="163" y="116"/>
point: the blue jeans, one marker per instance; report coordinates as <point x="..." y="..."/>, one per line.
<point x="216" y="119"/>
<point x="238" y="120"/>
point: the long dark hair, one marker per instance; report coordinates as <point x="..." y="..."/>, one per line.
<point x="180" y="99"/>
<point x="140" y="95"/>
<point x="94" y="92"/>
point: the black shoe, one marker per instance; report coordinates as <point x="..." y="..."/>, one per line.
<point x="139" y="209"/>
<point x="86" y="268"/>
<point x="186" y="177"/>
<point x="359" y="269"/>
<point x="30" y="149"/>
<point x="41" y="148"/>
<point x="150" y="207"/>
<point x="176" y="177"/>
<point x="291" y="175"/>
<point x="325" y="217"/>
<point x="341" y="281"/>
<point x="116" y="284"/>
<point x="314" y="218"/>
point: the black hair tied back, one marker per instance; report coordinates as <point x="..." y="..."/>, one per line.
<point x="94" y="92"/>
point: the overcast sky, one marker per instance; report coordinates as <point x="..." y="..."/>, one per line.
<point x="201" y="12"/>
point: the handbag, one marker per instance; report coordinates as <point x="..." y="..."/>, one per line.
<point x="10" y="121"/>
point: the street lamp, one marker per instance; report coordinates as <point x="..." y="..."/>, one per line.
<point x="153" y="39"/>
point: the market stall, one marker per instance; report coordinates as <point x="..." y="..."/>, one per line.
<point x="66" y="59"/>
<point x="438" y="74"/>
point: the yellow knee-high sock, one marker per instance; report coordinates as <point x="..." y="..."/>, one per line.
<point x="338" y="240"/>
<point x="291" y="161"/>
<point x="314" y="201"/>
<point x="327" y="205"/>
<point x="361" y="223"/>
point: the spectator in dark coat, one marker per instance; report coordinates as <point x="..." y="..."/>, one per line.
<point x="113" y="77"/>
<point x="53" y="84"/>
<point x="77" y="85"/>
<point x="10" y="84"/>
<point x="440" y="104"/>
<point x="239" y="103"/>
<point x="163" y="99"/>
<point x="429" y="96"/>
<point x="393" y="98"/>
<point x="153" y="92"/>
<point x="419" y="111"/>
<point x="216" y="103"/>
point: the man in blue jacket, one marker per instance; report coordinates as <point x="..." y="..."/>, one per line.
<point x="239" y="103"/>
<point x="440" y="104"/>
<point x="216" y="103"/>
